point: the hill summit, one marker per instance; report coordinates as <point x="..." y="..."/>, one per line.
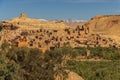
<point x="25" y="22"/>
<point x="23" y="15"/>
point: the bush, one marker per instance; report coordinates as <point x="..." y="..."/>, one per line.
<point x="37" y="65"/>
<point x="9" y="70"/>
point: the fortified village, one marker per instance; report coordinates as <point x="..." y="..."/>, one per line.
<point x="47" y="35"/>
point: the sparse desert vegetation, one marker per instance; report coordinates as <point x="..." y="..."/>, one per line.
<point x="93" y="70"/>
<point x="22" y="63"/>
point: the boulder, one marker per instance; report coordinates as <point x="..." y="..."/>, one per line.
<point x="74" y="76"/>
<point x="71" y="76"/>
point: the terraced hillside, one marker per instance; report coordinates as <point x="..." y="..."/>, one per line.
<point x="33" y="33"/>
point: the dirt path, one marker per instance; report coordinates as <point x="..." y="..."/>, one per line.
<point x="83" y="58"/>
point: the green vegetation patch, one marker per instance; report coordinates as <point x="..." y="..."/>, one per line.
<point x="22" y="63"/>
<point x="92" y="70"/>
<point x="109" y="53"/>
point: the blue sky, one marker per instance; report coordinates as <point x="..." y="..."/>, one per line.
<point x="58" y="9"/>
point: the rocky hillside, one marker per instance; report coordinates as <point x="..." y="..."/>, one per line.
<point x="24" y="31"/>
<point x="106" y="25"/>
<point x="23" y="22"/>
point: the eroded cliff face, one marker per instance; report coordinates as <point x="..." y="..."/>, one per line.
<point x="106" y="25"/>
<point x="50" y="34"/>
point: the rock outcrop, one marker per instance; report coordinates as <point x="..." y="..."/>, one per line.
<point x="74" y="76"/>
<point x="7" y="26"/>
<point x="23" y="15"/>
<point x="70" y="76"/>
